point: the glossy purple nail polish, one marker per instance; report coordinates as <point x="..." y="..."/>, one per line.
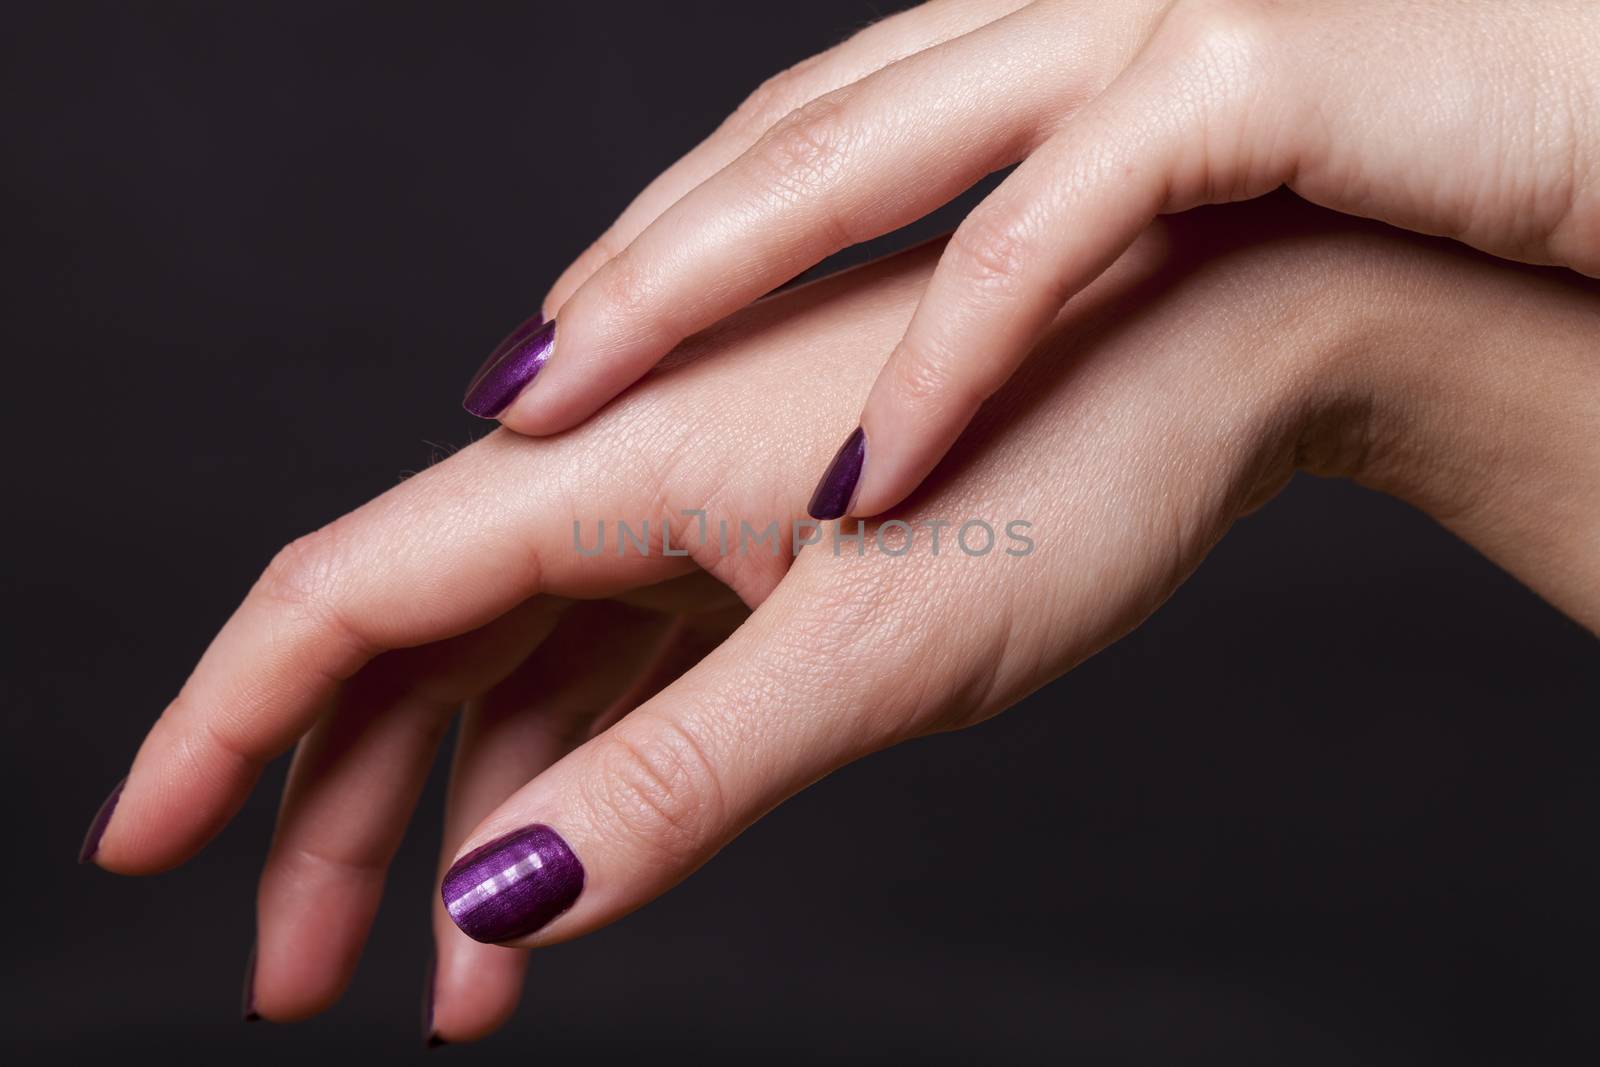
<point x="430" y="1037"/>
<point x="247" y="998"/>
<point x="513" y="885"/>
<point x="509" y="368"/>
<point x="97" y="826"/>
<point x="509" y="341"/>
<point x="837" y="489"/>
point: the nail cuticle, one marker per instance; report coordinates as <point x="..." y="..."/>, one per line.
<point x="512" y="886"/>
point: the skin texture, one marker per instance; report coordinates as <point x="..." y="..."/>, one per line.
<point x="647" y="709"/>
<point x="1475" y="119"/>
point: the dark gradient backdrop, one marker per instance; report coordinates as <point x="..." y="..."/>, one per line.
<point x="1335" y="804"/>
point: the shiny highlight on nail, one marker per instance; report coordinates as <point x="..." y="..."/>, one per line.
<point x="512" y="365"/>
<point x="837" y="489"/>
<point x="97" y="826"/>
<point x="513" y="885"/>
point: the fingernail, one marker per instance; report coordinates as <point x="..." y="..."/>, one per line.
<point x="513" y="885"/>
<point x="510" y="367"/>
<point x="509" y="341"/>
<point x="430" y="1038"/>
<point x="97" y="826"/>
<point x="837" y="489"/>
<point x="247" y="999"/>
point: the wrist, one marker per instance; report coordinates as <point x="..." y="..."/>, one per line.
<point x="1470" y="388"/>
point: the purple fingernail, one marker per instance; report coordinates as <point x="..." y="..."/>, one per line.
<point x="837" y="489"/>
<point x="511" y="340"/>
<point x="509" y="368"/>
<point x="247" y="999"/>
<point x="97" y="826"/>
<point x="513" y="885"/>
<point x="430" y="1037"/>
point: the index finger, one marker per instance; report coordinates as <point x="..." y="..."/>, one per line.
<point x="884" y="42"/>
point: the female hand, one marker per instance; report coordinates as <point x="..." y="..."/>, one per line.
<point x="1478" y="120"/>
<point x="1222" y="351"/>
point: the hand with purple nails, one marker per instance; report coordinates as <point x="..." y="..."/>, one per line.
<point x="1479" y="119"/>
<point x="629" y="706"/>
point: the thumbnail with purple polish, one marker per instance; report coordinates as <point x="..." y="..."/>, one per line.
<point x="837" y="489"/>
<point x="513" y="885"/>
<point x="510" y="367"/>
<point x="97" y="826"/>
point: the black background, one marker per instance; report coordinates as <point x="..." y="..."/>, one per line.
<point x="1335" y="804"/>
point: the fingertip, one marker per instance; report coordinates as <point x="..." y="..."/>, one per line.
<point x="247" y="996"/>
<point x="430" y="1035"/>
<point x="835" y="494"/>
<point x="864" y="479"/>
<point x="516" y="388"/>
<point x="510" y="370"/>
<point x="910" y="436"/>
<point x="569" y="388"/>
<point x="141" y="833"/>
<point x="471" y="990"/>
<point x="88" y="852"/>
<point x="116" y="845"/>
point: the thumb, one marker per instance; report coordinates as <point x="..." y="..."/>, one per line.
<point x="796" y="692"/>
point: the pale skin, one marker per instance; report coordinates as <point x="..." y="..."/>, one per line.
<point x="652" y="708"/>
<point x="1476" y="119"/>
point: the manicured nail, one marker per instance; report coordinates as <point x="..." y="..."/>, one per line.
<point x="97" y="827"/>
<point x="430" y="1037"/>
<point x="247" y="999"/>
<point x="837" y="489"/>
<point x="509" y="341"/>
<point x="509" y="368"/>
<point x="513" y="885"/>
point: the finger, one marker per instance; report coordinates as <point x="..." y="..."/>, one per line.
<point x="461" y="543"/>
<point x="440" y="555"/>
<point x="884" y="42"/>
<point x="811" y="681"/>
<point x="850" y="165"/>
<point x="350" y="794"/>
<point x="604" y="659"/>
<point x="1167" y="135"/>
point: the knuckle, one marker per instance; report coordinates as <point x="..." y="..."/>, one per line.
<point x="308" y="581"/>
<point x="990" y="252"/>
<point x="874" y="620"/>
<point x="305" y="574"/>
<point x="656" y="786"/>
<point x="925" y="377"/>
<point x="802" y="155"/>
<point x="1574" y="235"/>
<point x="216" y="737"/>
<point x="1224" y="35"/>
<point x="322" y="862"/>
<point x="770" y="101"/>
<point x="627" y="289"/>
